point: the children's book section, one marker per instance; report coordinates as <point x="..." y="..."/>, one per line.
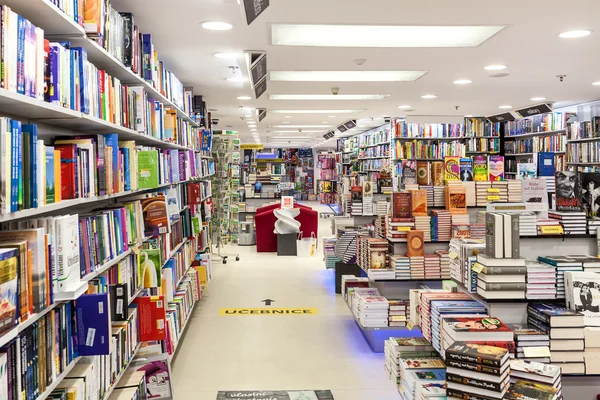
<point x="105" y="205"/>
<point x="477" y="273"/>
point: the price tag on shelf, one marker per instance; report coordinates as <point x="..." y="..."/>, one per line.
<point x="477" y="267"/>
<point x="551" y="230"/>
<point x="403" y="228"/>
<point x="493" y="197"/>
<point x="410" y="325"/>
<point x="493" y="190"/>
<point x="453" y="255"/>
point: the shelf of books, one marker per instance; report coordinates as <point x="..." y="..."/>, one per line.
<point x="104" y="204"/>
<point x="327" y="183"/>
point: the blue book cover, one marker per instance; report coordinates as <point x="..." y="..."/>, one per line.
<point x="125" y="152"/>
<point x="73" y="79"/>
<point x="31" y="129"/>
<point x="53" y="85"/>
<point x="545" y="164"/>
<point x="15" y="128"/>
<point x="21" y="55"/>
<point x="93" y="325"/>
<point x="83" y="79"/>
<point x="147" y="55"/>
<point x="112" y="139"/>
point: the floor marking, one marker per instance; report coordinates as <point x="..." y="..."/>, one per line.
<point x="268" y="311"/>
<point x="276" y="395"/>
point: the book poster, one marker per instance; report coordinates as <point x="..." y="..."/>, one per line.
<point x="568" y="192"/>
<point x="590" y="188"/>
<point x="276" y="395"/>
<point x="585" y="296"/>
<point x="535" y="194"/>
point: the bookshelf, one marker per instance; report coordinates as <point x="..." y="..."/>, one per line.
<point x="534" y="134"/>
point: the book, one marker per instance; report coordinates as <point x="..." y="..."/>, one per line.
<point x="152" y="315"/>
<point x="477" y="328"/>
<point x="523" y="389"/>
<point x="545" y="164"/>
<point x="409" y="172"/>
<point x="69" y="171"/>
<point x="9" y="299"/>
<point x="418" y="202"/>
<point x="496" y="168"/>
<point x="531" y="370"/>
<point x="437" y="173"/>
<point x="477" y="354"/>
<point x="148" y="175"/>
<point x="526" y="170"/>
<point x="494" y="226"/>
<point x="556" y="316"/>
<point x="535" y="194"/>
<point x="93" y="324"/>
<point x="451" y="169"/>
<point x="401" y="205"/>
<point x="583" y="294"/>
<point x="423" y="175"/>
<point x="156" y="216"/>
<point x="415" y="243"/>
<point x="590" y="188"/>
<point x="568" y="191"/>
<point x="466" y="169"/>
<point x="480" y="168"/>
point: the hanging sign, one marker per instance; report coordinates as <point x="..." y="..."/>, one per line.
<point x="504" y="117"/>
<point x="252" y="146"/>
<point x="534" y="110"/>
<point x="253" y="8"/>
<point x="262" y="113"/>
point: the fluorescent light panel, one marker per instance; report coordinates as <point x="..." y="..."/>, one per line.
<point x="328" y="96"/>
<point x="303" y="131"/>
<point x="380" y="35"/>
<point x="314" y="111"/>
<point x="301" y="126"/>
<point x="345" y="76"/>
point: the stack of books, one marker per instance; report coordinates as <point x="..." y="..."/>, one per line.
<point x="381" y="207"/>
<point x="417" y="267"/>
<point x="444" y="263"/>
<point x="589" y="263"/>
<point x="372" y="253"/>
<point x="432" y="266"/>
<point x="566" y="330"/>
<point x="401" y="265"/>
<point x="460" y="220"/>
<point x="573" y="222"/>
<point x="429" y="190"/>
<point x="453" y="308"/>
<point x="423" y="223"/>
<point x="424" y="303"/>
<point x="463" y="254"/>
<point x="481" y="192"/>
<point x="550" y="183"/>
<point x="532" y="344"/>
<point x="477" y="231"/>
<point x="398" y="312"/>
<point x="500" y="278"/>
<point x="417" y="372"/>
<point x="351" y="281"/>
<point x="477" y="371"/>
<point x="480" y="330"/>
<point x="470" y="192"/>
<point x="551" y="222"/>
<point x="329" y="252"/>
<point x="499" y="191"/>
<point x="381" y="274"/>
<point x="536" y="373"/>
<point x="380" y="226"/>
<point x="593" y="224"/>
<point x="441" y="225"/>
<point x="367" y="205"/>
<point x="371" y="311"/>
<point x="515" y="193"/>
<point x="527" y="224"/>
<point x="396" y="349"/>
<point x="439" y="199"/>
<point x="592" y="350"/>
<point x="541" y="280"/>
<point x="397" y="228"/>
<point x="562" y="264"/>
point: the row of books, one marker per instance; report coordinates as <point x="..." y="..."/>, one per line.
<point x="381" y="150"/>
<point x="538" y="123"/>
<point x="402" y="129"/>
<point x="584" y="130"/>
<point x="429" y="150"/>
<point x="374" y="139"/>
<point x="555" y="143"/>
<point x="588" y="152"/>
<point x="483" y="145"/>
<point x="480" y="127"/>
<point x="377" y="164"/>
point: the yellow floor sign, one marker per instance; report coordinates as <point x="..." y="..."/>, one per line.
<point x="268" y="311"/>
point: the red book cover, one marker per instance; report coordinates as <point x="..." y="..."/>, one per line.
<point x="68" y="170"/>
<point x="152" y="318"/>
<point x="402" y="205"/>
<point x="193" y="191"/>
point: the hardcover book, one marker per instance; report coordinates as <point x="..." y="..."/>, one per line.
<point x="480" y="168"/>
<point x="401" y="206"/>
<point x="477" y="328"/>
<point x="119" y="301"/>
<point x="456" y="199"/>
<point x="583" y="295"/>
<point x="69" y="170"/>
<point x="524" y="389"/>
<point x="545" y="164"/>
<point x="409" y="172"/>
<point x="356" y="193"/>
<point x="437" y="173"/>
<point x="8" y="288"/>
<point x="496" y="168"/>
<point x="423" y="176"/>
<point x="418" y="202"/>
<point x="590" y="188"/>
<point x="415" y="244"/>
<point x="50" y="182"/>
<point x="477" y="354"/>
<point x="156" y="217"/>
<point x="93" y="324"/>
<point x="526" y="171"/>
<point x="568" y="191"/>
<point x="466" y="169"/>
<point x="451" y="169"/>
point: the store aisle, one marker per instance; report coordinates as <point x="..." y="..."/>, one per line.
<point x="324" y="351"/>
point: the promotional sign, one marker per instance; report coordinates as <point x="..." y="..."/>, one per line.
<point x="534" y="110"/>
<point x="252" y="146"/>
<point x="253" y="8"/>
<point x="501" y="117"/>
<point x="287" y="201"/>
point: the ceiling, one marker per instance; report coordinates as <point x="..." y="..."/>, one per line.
<point x="529" y="45"/>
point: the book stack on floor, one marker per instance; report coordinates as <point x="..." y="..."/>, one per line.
<point x="441" y="221"/>
<point x="396" y="349"/>
<point x="573" y="222"/>
<point x="397" y="228"/>
<point x="452" y="308"/>
<point x="515" y="193"/>
<point x="541" y="280"/>
<point x="536" y="373"/>
<point x="370" y="310"/>
<point x="566" y="330"/>
<point x="500" y="278"/>
<point x="532" y="344"/>
<point x="401" y="265"/>
<point x="481" y="192"/>
<point x="562" y="264"/>
<point x="398" y="312"/>
<point x="477" y="371"/>
<point x="478" y="330"/>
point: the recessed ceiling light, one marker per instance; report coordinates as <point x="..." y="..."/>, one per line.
<point x="404" y="107"/>
<point x="380" y="35"/>
<point x="216" y="25"/>
<point x="227" y="55"/>
<point x="253" y="129"/>
<point x="244" y="98"/>
<point x="314" y="111"/>
<point x="345" y="76"/>
<point x="575" y="34"/>
<point x="236" y="79"/>
<point x="248" y="115"/>
<point x="332" y="116"/>
<point x="251" y="123"/>
<point x="462" y="81"/>
<point x="506" y="106"/>
<point x="495" y="67"/>
<point x="596" y="83"/>
<point x="287" y="116"/>
<point x="328" y="96"/>
<point x="429" y="96"/>
<point x="537" y="99"/>
<point x="299" y="126"/>
<point x="285" y="122"/>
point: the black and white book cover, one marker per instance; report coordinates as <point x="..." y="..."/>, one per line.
<point x="568" y="191"/>
<point x="590" y="191"/>
<point x="583" y="295"/>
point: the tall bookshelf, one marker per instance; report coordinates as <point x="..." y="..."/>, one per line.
<point x="86" y="167"/>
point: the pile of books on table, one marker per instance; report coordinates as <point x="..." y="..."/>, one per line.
<point x="397" y="228"/>
<point x="562" y="264"/>
<point x="541" y="280"/>
<point x="441" y="221"/>
<point x="381" y="274"/>
<point x="398" y="312"/>
<point x="439" y="199"/>
<point x="573" y="222"/>
<point x="417" y="374"/>
<point x="401" y="265"/>
<point x="381" y="226"/>
<point x="533" y="377"/>
<point x="396" y="349"/>
<point x="423" y="223"/>
<point x="478" y="330"/>
<point x="370" y="310"/>
<point x="532" y="344"/>
<point x="500" y="278"/>
<point x="515" y="191"/>
<point x="527" y="224"/>
<point x="477" y="371"/>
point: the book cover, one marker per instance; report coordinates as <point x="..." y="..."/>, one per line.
<point x="568" y="191"/>
<point x="148" y="176"/>
<point x="486" y="369"/>
<point x="356" y="194"/>
<point x="151" y="263"/>
<point x="496" y="168"/>
<point x="151" y="318"/>
<point x="367" y="189"/>
<point x="156" y="217"/>
<point x="415" y="243"/>
<point x="119" y="301"/>
<point x="477" y="354"/>
<point x="112" y="145"/>
<point x="158" y="382"/>
<point x="590" y="185"/>
<point x="456" y="199"/>
<point x="583" y="295"/>
<point x="8" y="288"/>
<point x="451" y="169"/>
<point x="466" y="169"/>
<point x="50" y="182"/>
<point x="68" y="170"/>
<point x="494" y="235"/>
<point x="24" y="290"/>
<point x="418" y="202"/>
<point x="526" y="170"/>
<point x="480" y="168"/>
<point x="423" y="176"/>
<point x="409" y="172"/>
<point x="437" y="173"/>
<point x="402" y="204"/>
<point x="535" y="194"/>
<point x="545" y="164"/>
<point x="57" y="177"/>
<point x="525" y="389"/>
<point x="475" y="382"/>
<point x="93" y="324"/>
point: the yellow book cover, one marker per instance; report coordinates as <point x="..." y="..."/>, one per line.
<point x="451" y="169"/>
<point x="202" y="275"/>
<point x="92" y="16"/>
<point x="57" y="177"/>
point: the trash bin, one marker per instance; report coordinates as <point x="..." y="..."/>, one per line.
<point x="247" y="236"/>
<point x="286" y="244"/>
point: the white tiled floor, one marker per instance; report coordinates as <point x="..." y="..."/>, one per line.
<point x="325" y="351"/>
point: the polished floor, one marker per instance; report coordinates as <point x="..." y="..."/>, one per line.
<point x="323" y="351"/>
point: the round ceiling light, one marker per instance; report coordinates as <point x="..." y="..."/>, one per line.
<point x="216" y="25"/>
<point x="495" y="67"/>
<point x="575" y="34"/>
<point x="404" y="107"/>
<point x="596" y="83"/>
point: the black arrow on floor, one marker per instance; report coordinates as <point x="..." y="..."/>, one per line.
<point x="267" y="302"/>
